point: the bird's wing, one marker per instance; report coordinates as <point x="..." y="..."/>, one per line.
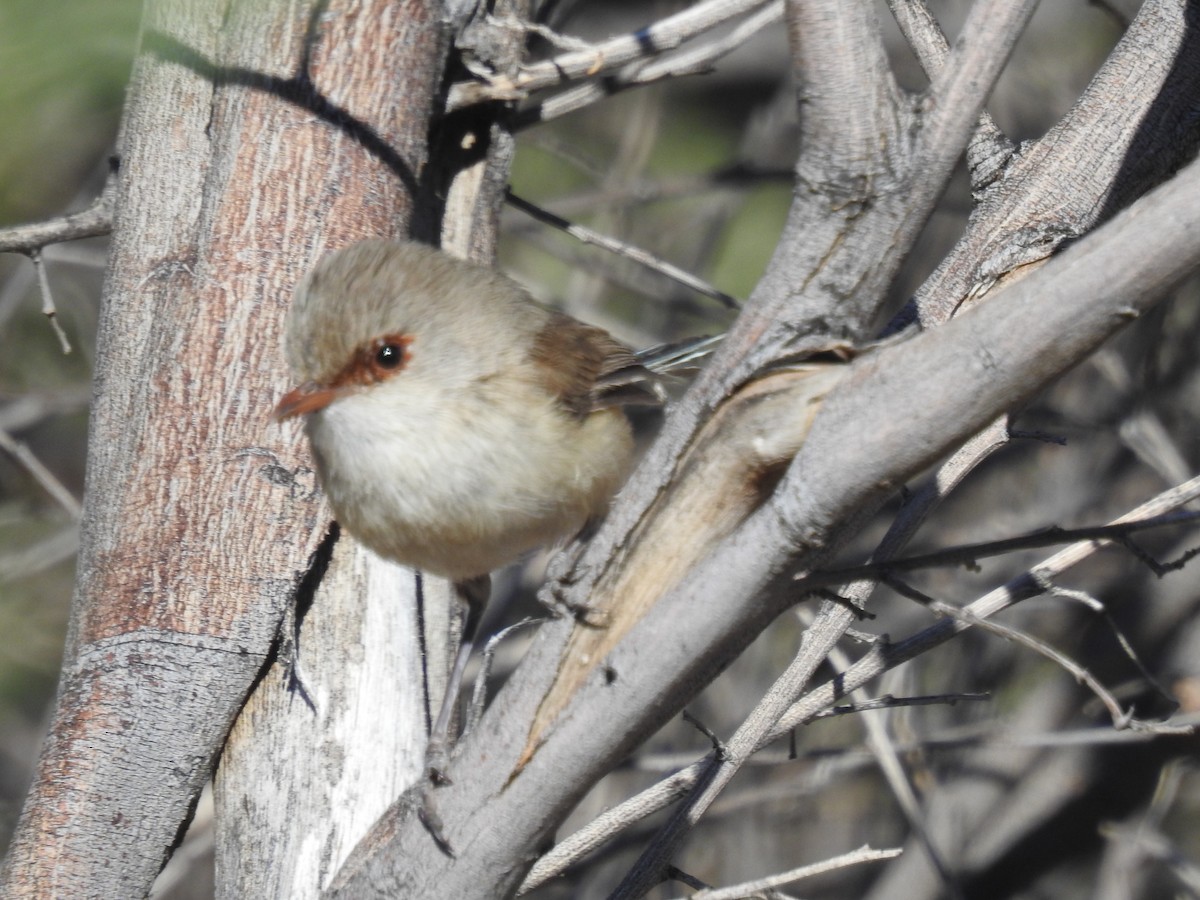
<point x="589" y="369"/>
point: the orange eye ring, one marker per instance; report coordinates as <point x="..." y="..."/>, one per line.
<point x="373" y="362"/>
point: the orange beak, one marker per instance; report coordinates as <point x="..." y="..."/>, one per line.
<point x="307" y="398"/>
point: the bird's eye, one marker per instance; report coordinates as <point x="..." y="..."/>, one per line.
<point x="379" y="359"/>
<point x="389" y="355"/>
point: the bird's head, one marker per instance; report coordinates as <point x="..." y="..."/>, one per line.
<point x="400" y="317"/>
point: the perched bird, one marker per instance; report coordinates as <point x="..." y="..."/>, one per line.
<point x="456" y="423"/>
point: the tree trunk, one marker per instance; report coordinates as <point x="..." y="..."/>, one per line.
<point x="256" y="136"/>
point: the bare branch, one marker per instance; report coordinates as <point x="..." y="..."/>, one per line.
<point x="1097" y="607"/>
<point x="55" y="488"/>
<point x="1063" y="310"/>
<point x="989" y="149"/>
<point x="1121" y="719"/>
<point x="91" y="222"/>
<point x="1029" y="584"/>
<point x="190" y="493"/>
<point x="48" y="309"/>
<point x="962" y="85"/>
<point x="647" y="871"/>
<point x="819" y="641"/>
<point x="881" y="745"/>
<point x="693" y="60"/>
<point x="621" y="248"/>
<point x="831" y="624"/>
<point x="887" y="701"/>
<point x="1143" y="431"/>
<point x="1090" y="164"/>
<point x="609" y="824"/>
<point x="925" y="396"/>
<point x="969" y="554"/>
<point x="656" y="38"/>
<point x="1131" y="844"/>
<point x="752" y="888"/>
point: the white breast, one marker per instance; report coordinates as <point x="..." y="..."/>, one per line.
<point x="454" y="487"/>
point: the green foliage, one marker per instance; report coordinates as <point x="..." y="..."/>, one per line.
<point x="63" y="69"/>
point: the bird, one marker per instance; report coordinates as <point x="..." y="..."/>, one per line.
<point x="456" y="424"/>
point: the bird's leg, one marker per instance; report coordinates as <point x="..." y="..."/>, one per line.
<point x="553" y="597"/>
<point x="563" y="572"/>
<point x="474" y="593"/>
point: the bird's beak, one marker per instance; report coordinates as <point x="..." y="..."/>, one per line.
<point x="307" y="398"/>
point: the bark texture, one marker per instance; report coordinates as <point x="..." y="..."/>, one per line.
<point x="257" y="134"/>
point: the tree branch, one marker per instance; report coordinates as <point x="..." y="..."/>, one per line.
<point x="656" y="38"/>
<point x="877" y="660"/>
<point x="94" y="221"/>
<point x="693" y="60"/>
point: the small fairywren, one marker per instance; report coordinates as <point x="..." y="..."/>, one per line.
<point x="455" y="422"/>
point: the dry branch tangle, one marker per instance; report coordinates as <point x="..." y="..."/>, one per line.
<point x="917" y="400"/>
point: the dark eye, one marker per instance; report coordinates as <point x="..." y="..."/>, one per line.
<point x="389" y="355"/>
<point x="380" y="358"/>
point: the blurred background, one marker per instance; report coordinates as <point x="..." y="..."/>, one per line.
<point x="1025" y="791"/>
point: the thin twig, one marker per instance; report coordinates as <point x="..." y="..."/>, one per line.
<point x="887" y="701"/>
<point x="609" y="824"/>
<point x="55" y="488"/>
<point x="969" y="554"/>
<point x="1134" y="843"/>
<point x="588" y="236"/>
<point x="94" y="221"/>
<point x="880" y="743"/>
<point x="700" y="56"/>
<point x="1031" y="583"/>
<point x="1098" y="607"/>
<point x="1142" y="430"/>
<point x="1155" y="845"/>
<point x="48" y="308"/>
<point x="726" y="179"/>
<point x="879" y="659"/>
<point x="1121" y="718"/>
<point x="832" y="621"/>
<point x="1099" y="736"/>
<point x="720" y="768"/>
<point x="750" y="888"/>
<point x="914" y="512"/>
<point x="676" y="874"/>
